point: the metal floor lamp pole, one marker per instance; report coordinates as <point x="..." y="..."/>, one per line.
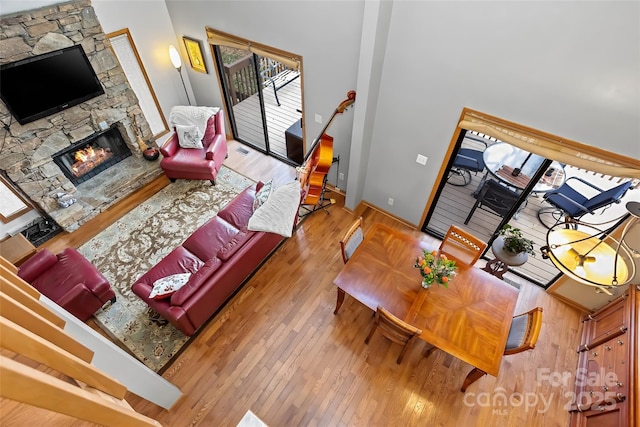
<point x="183" y="85"/>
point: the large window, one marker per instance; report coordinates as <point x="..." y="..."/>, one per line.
<point x="130" y="61"/>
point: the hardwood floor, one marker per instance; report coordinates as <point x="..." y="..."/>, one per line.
<point x="277" y="349"/>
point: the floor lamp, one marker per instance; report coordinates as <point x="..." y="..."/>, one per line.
<point x="177" y="62"/>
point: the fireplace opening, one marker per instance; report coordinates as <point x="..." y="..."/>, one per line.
<point x="87" y="158"/>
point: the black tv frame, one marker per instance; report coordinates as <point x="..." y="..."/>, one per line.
<point x="97" y="90"/>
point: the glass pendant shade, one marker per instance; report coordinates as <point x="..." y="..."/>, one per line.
<point x="175" y="57"/>
<point x="590" y="255"/>
<point x="588" y="259"/>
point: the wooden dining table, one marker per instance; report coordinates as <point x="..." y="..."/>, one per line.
<point x="470" y="319"/>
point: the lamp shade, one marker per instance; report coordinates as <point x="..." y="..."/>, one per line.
<point x="175" y="57"/>
<point x="586" y="258"/>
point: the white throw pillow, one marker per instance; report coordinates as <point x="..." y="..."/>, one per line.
<point x="189" y="136"/>
<point x="276" y="215"/>
<point x="167" y="286"/>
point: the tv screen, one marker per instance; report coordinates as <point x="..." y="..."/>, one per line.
<point x="41" y="85"/>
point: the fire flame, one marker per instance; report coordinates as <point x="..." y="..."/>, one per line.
<point x="88" y="158"/>
<point x="88" y="154"/>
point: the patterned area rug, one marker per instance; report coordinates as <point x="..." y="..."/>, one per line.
<point x="136" y="242"/>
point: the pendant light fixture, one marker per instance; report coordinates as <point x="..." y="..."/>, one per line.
<point x="592" y="256"/>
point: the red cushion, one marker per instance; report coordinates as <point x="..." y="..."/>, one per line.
<point x="195" y="281"/>
<point x="210" y="131"/>
<point x="207" y="240"/>
<point x="234" y="245"/>
<point x="239" y="210"/>
<point x="179" y="260"/>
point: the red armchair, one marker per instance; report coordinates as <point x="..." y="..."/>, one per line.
<point x="194" y="163"/>
<point x="69" y="280"/>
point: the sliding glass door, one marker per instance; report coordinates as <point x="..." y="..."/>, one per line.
<point x="262" y="91"/>
<point x="506" y="188"/>
<point x="489" y="183"/>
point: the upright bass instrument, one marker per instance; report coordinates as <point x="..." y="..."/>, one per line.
<point x="313" y="172"/>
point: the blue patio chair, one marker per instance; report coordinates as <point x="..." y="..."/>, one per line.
<point x="569" y="202"/>
<point x="467" y="160"/>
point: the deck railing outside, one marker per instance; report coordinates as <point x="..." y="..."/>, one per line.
<point x="241" y="79"/>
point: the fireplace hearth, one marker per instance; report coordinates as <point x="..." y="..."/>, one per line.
<point x="92" y="155"/>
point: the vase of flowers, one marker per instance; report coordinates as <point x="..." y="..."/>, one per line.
<point x="435" y="268"/>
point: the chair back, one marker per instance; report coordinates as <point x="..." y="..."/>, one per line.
<point x="394" y="329"/>
<point x="352" y="239"/>
<point x="574" y="204"/>
<point x="612" y="195"/>
<point x="496" y="197"/>
<point x="470" y="159"/>
<point x="524" y="332"/>
<point x="462" y="245"/>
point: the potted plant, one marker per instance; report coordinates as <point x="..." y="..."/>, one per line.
<point x="512" y="247"/>
<point x="515" y="242"/>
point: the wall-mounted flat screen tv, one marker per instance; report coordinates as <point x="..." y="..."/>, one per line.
<point x="41" y="85"/>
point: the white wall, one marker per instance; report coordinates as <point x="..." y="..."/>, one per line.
<point x="568" y="68"/>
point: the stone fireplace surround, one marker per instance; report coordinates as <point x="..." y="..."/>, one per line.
<point x="25" y="151"/>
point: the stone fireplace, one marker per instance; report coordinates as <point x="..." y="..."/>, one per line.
<point x="27" y="152"/>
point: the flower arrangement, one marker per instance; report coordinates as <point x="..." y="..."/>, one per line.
<point x="435" y="268"/>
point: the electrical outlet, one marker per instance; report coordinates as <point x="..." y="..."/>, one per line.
<point x="340" y="176"/>
<point x="390" y="201"/>
<point x="421" y="159"/>
<point x="318" y="118"/>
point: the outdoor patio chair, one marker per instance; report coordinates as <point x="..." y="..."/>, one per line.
<point x="467" y="160"/>
<point x="494" y="198"/>
<point x="567" y="201"/>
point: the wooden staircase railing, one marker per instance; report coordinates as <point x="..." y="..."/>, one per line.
<point x="29" y="329"/>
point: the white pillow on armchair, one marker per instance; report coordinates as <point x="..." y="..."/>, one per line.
<point x="189" y="136"/>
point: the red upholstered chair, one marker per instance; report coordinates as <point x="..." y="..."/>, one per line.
<point x="194" y="163"/>
<point x="69" y="280"/>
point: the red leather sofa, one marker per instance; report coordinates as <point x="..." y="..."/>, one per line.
<point x="194" y="163"/>
<point x="69" y="280"/>
<point x="221" y="255"/>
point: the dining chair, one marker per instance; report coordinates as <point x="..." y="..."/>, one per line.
<point x="494" y="198"/>
<point x="394" y="329"/>
<point x="569" y="202"/>
<point x="352" y="239"/>
<point x="462" y="246"/>
<point x="523" y="335"/>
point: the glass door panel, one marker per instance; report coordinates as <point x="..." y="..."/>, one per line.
<point x="263" y="97"/>
<point x="243" y="96"/>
